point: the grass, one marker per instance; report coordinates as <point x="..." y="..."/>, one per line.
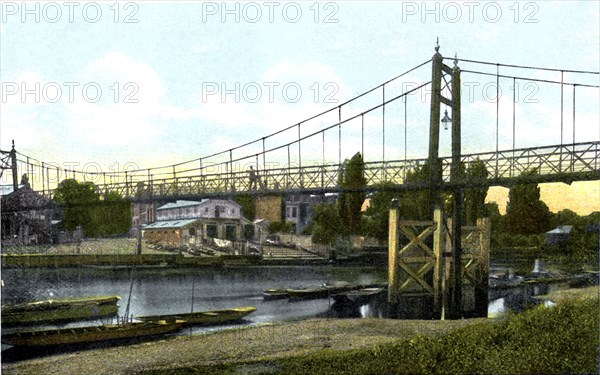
<point x="557" y="340"/>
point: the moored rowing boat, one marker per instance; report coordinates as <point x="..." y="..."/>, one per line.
<point x="203" y="317"/>
<point x="359" y="296"/>
<point x="323" y="291"/>
<point x="53" y="310"/>
<point x="271" y="294"/>
<point x="82" y="335"/>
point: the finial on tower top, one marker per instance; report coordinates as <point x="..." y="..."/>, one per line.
<point x="455" y="59"/>
<point x="437" y="44"/>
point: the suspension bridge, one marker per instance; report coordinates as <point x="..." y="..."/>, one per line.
<point x="287" y="160"/>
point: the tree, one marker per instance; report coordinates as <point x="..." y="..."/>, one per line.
<point x="342" y="204"/>
<point x="415" y="204"/>
<point x="355" y="179"/>
<point x="111" y="215"/>
<point x="474" y="198"/>
<point x="327" y="224"/>
<point x="525" y="212"/>
<point x="248" y="203"/>
<point x="378" y="213"/>
<point x="77" y="199"/>
<point x="99" y="216"/>
<point x="352" y="176"/>
<point x="566" y="217"/>
<point x="280" y="226"/>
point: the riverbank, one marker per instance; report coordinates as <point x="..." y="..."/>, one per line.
<point x="278" y="347"/>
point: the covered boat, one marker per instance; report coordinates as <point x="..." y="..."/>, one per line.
<point x="203" y="317"/>
<point x="85" y="335"/>
<point x="324" y="291"/>
<point x="359" y="296"/>
<point x="271" y="294"/>
<point x="53" y="310"/>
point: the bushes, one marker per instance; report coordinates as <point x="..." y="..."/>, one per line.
<point x="558" y="340"/>
<point x="280" y="227"/>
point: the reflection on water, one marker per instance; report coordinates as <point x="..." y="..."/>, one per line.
<point x="168" y="291"/>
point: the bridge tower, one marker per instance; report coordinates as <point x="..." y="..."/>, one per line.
<point x="445" y="259"/>
<point x="9" y="161"/>
<point x="440" y="85"/>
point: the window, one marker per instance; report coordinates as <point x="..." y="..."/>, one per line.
<point x="294" y="212"/>
<point x="211" y="230"/>
<point x="230" y="232"/>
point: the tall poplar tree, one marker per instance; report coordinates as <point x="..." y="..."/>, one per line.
<point x="525" y="212"/>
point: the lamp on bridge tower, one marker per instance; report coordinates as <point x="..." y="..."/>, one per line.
<point x="446" y="120"/>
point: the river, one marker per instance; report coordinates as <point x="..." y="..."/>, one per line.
<point x="171" y="290"/>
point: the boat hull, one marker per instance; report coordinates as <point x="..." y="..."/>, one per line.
<point x="273" y="294"/>
<point x="203" y="318"/>
<point x="84" y="335"/>
<point x="54" y="310"/>
<point x="319" y="292"/>
<point x="359" y="297"/>
<point x="87" y="311"/>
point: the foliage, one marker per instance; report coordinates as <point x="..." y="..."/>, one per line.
<point x="327" y="224"/>
<point x="350" y="203"/>
<point x="279" y="227"/>
<point x="111" y="215"/>
<point x="342" y="205"/>
<point x="558" y="340"/>
<point x="474" y="198"/>
<point x="541" y="340"/>
<point x="77" y="201"/>
<point x="83" y="205"/>
<point x="248" y="203"/>
<point x="583" y="242"/>
<point x="492" y="211"/>
<point x="525" y="212"/>
<point x="377" y="215"/>
<point x="416" y="204"/>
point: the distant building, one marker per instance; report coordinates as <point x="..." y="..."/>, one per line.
<point x="559" y="235"/>
<point x="26" y="216"/>
<point x="299" y="208"/>
<point x="196" y="222"/>
<point x="269" y="207"/>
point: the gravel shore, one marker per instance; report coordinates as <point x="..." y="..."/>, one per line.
<point x="230" y="346"/>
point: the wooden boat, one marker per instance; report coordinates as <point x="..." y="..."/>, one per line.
<point x="84" y="335"/>
<point x="271" y="294"/>
<point x="53" y="310"/>
<point x="325" y="291"/>
<point x="359" y="296"/>
<point x="203" y="317"/>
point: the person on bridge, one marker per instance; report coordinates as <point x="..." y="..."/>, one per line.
<point x="253" y="178"/>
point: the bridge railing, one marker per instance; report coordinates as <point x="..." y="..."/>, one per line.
<point x="555" y="163"/>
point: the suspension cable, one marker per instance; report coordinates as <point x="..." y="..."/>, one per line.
<point x="524" y="66"/>
<point x="528" y="79"/>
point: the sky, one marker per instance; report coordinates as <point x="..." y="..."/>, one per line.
<point x="114" y="86"/>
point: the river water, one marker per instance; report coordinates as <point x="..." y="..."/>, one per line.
<point x="169" y="290"/>
<point x="163" y="291"/>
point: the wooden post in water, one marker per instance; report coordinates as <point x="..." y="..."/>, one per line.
<point x="447" y="277"/>
<point x="481" y="286"/>
<point x="393" y="248"/>
<point x="438" y="272"/>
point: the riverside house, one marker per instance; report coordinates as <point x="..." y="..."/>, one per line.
<point x="193" y="223"/>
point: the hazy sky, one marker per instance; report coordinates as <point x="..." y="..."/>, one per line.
<point x="152" y="83"/>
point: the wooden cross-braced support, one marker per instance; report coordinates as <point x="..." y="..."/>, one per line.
<point x="409" y="266"/>
<point x="475" y="263"/>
